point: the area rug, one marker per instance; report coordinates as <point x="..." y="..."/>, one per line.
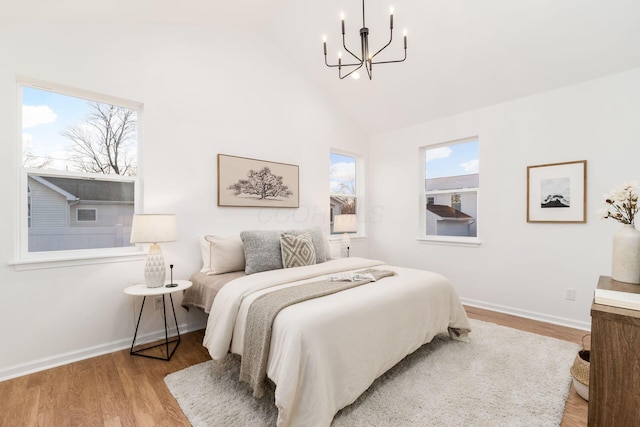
<point x="501" y="377"/>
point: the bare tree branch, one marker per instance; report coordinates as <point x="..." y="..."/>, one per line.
<point x="103" y="143"/>
<point x="347" y="184"/>
<point x="30" y="160"/>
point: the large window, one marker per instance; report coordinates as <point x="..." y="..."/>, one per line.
<point x="451" y="185"/>
<point x="343" y="189"/>
<point x="79" y="167"/>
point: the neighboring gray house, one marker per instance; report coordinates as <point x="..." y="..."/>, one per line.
<point x="335" y="205"/>
<point x="450" y="212"/>
<point x="68" y="213"/>
<point x="341" y="205"/>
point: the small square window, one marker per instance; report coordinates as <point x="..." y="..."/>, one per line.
<point x="87" y="215"/>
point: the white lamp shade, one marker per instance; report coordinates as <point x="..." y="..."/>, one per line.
<point x="346" y="223"/>
<point x="153" y="228"/>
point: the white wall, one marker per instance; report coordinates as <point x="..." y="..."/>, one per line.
<point x="204" y="92"/>
<point x="209" y="91"/>
<point x="520" y="267"/>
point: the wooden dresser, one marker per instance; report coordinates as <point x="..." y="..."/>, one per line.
<point x="614" y="373"/>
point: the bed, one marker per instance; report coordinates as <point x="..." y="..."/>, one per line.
<point x="325" y="352"/>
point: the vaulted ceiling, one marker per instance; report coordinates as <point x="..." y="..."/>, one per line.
<point x="462" y="54"/>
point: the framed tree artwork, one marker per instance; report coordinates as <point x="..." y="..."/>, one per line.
<point x="557" y="192"/>
<point x="256" y="183"/>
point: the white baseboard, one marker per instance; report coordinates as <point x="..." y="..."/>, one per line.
<point x="87" y="353"/>
<point x="585" y="326"/>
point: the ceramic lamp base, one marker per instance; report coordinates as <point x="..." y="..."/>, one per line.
<point x="345" y="245"/>
<point x="154" y="269"/>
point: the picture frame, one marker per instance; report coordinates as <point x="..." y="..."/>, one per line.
<point x="557" y="192"/>
<point x="246" y="182"/>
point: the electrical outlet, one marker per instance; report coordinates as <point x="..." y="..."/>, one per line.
<point x="570" y="295"/>
<point x="158" y="303"/>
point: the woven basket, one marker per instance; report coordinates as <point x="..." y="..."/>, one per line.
<point x="580" y="368"/>
<point x="580" y="371"/>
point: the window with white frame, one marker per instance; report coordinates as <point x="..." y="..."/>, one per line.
<point x="343" y="186"/>
<point x="79" y="155"/>
<point x="450" y="187"/>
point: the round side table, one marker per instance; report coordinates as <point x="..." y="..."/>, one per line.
<point x="141" y="289"/>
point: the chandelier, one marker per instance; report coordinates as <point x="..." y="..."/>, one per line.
<point x="365" y="59"/>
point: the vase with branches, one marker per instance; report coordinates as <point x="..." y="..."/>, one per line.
<point x="622" y="205"/>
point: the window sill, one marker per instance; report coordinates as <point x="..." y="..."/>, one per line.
<point x="453" y="241"/>
<point x="74" y="260"/>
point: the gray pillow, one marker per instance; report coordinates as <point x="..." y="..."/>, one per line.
<point x="261" y="250"/>
<point x="318" y="241"/>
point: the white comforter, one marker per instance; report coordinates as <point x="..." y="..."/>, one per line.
<point x="325" y="352"/>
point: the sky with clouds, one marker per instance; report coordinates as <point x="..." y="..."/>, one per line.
<point x="452" y="160"/>
<point x="44" y="116"/>
<point x="343" y="171"/>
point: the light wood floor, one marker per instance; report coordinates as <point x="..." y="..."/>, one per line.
<point x="122" y="390"/>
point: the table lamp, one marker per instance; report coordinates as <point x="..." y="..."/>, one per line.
<point x="154" y="228"/>
<point x="346" y="223"/>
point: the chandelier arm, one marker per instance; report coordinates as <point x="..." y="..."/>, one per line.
<point x="326" y="62"/>
<point x="355" y="64"/>
<point x="337" y="65"/>
<point x="350" y="72"/>
<point x="385" y="46"/>
<point x="394" y="61"/>
<point x="368" y="67"/>
<point x="358" y="64"/>
<point x="344" y="45"/>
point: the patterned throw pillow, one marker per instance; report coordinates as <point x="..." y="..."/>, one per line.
<point x="297" y="250"/>
<point x="318" y="239"/>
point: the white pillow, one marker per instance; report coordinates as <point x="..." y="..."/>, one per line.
<point x="326" y="246"/>
<point x="205" y="251"/>
<point x="221" y="254"/>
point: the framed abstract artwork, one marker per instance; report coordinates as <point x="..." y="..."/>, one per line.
<point x="557" y="192"/>
<point x="256" y="183"/>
